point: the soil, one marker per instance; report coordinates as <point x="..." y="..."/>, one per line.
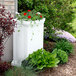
<point x="68" y="69"/>
<point x="48" y="46"/>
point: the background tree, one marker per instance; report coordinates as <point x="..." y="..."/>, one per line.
<point x="58" y="13"/>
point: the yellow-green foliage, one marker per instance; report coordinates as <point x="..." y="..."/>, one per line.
<point x="61" y="55"/>
<point x="41" y="59"/>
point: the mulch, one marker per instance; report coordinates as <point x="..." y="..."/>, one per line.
<point x="68" y="69"/>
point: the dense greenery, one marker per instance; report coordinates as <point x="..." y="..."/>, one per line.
<point x="74" y="21"/>
<point x="64" y="45"/>
<point x="58" y="13"/>
<point x="61" y="55"/>
<point x="20" y="71"/>
<point x="41" y="59"/>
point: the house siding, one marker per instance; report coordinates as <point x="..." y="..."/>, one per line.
<point x="10" y="6"/>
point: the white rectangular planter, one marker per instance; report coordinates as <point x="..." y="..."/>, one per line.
<point x="27" y="40"/>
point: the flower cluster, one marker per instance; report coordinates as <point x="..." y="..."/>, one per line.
<point x="66" y="35"/>
<point x="30" y="15"/>
<point x="6" y="26"/>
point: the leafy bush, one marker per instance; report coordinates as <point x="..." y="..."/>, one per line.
<point x="64" y="45"/>
<point x="61" y="55"/>
<point x="41" y="59"/>
<point x="23" y="4"/>
<point x="20" y="71"/>
<point x="58" y="13"/>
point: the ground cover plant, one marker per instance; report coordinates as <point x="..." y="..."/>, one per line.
<point x="61" y="55"/>
<point x="20" y="71"/>
<point x="41" y="59"/>
<point x="65" y="46"/>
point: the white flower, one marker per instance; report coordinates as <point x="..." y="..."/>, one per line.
<point x="38" y="13"/>
<point x="17" y="13"/>
<point x="0" y="7"/>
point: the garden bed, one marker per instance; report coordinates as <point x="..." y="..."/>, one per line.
<point x="68" y="69"/>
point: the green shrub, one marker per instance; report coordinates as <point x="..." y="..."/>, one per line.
<point x="24" y="4"/>
<point x="61" y="55"/>
<point x="58" y="13"/>
<point x="41" y="59"/>
<point x="64" y="45"/>
<point x="20" y="71"/>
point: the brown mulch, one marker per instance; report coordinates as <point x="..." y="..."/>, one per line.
<point x="68" y="69"/>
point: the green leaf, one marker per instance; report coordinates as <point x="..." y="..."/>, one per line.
<point x="18" y="30"/>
